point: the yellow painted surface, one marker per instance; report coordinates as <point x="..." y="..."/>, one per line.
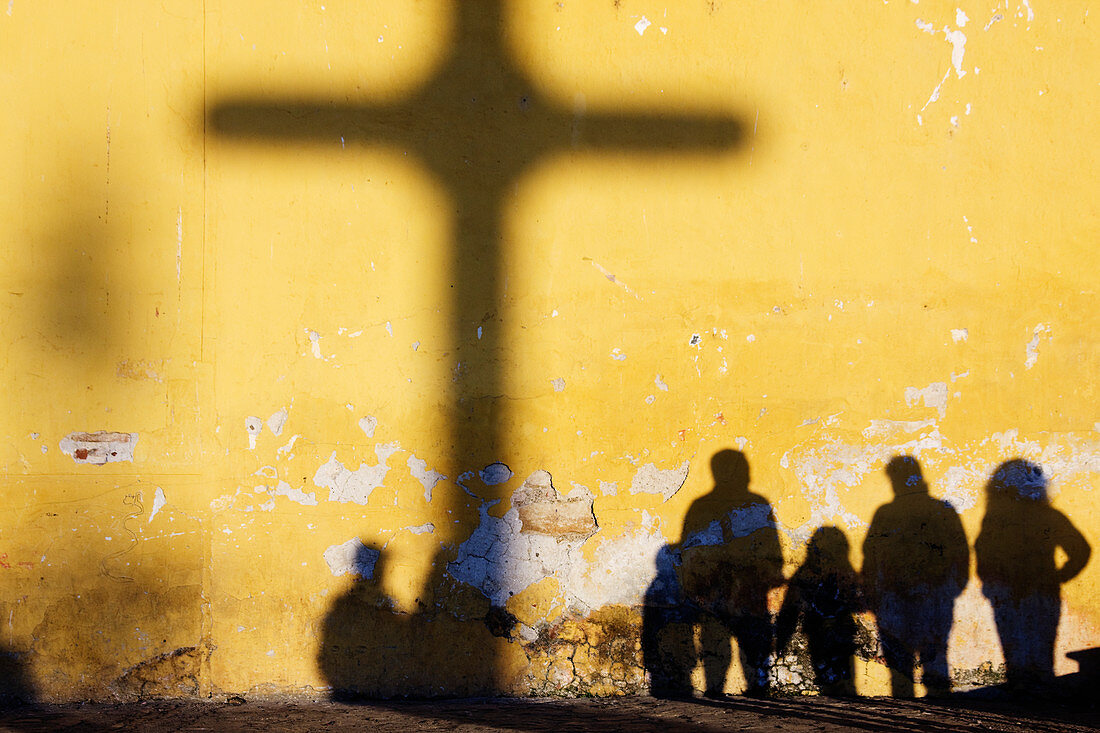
<point x="283" y="241"/>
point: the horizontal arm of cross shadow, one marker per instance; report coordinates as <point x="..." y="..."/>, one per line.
<point x="407" y="125"/>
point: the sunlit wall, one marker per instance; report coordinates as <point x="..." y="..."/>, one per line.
<point x="393" y="347"/>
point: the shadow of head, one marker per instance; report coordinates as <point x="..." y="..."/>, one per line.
<point x="731" y="471"/>
<point x="828" y="547"/>
<point x="905" y="476"/>
<point x="1018" y="480"/>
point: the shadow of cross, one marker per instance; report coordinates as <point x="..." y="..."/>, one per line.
<point x="476" y="125"/>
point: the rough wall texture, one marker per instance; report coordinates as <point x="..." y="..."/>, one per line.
<point x="534" y="347"/>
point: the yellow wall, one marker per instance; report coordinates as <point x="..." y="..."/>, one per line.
<point x="562" y="240"/>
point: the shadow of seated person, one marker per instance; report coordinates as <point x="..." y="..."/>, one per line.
<point x="446" y="647"/>
<point x="824" y="595"/>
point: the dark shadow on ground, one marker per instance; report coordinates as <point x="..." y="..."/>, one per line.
<point x="799" y="715"/>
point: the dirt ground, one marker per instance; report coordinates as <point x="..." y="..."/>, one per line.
<point x="558" y="716"/>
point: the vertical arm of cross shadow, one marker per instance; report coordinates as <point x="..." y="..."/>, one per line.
<point x="477" y="126"/>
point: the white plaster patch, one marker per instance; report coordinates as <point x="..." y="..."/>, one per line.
<point x="100" y="447"/>
<point x="298" y="495"/>
<point x="428" y="478"/>
<point x="159" y="500"/>
<point x="495" y="473"/>
<point x="934" y="395"/>
<point x="426" y="528"/>
<point x="652" y="480"/>
<point x="611" y="488"/>
<point x="368" y="425"/>
<point x="960" y="18"/>
<point x="642" y="24"/>
<point x="619" y="572"/>
<point x="276" y="422"/>
<point x="959" y="335"/>
<point x="558" y="384"/>
<point x="1033" y="345"/>
<point x="254" y="426"/>
<point x="961" y="487"/>
<point x="617" y="354"/>
<point x="500" y="560"/>
<point x="352" y="558"/>
<point x="660" y="383"/>
<point x="355" y="486"/>
<point x="879" y="429"/>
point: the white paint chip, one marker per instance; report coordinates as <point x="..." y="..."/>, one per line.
<point x="428" y="478"/>
<point x="642" y="24"/>
<point x="276" y="422"/>
<point x="368" y="425"/>
<point x="315" y="344"/>
<point x="1033" y="346"/>
<point x="660" y="383"/>
<point x="960" y="18"/>
<point x="558" y="384"/>
<point x="617" y="354"/>
<point x="159" y="500"/>
<point x="254" y="426"/>
<point x="959" y="335"/>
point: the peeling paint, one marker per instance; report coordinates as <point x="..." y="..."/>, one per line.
<point x="495" y="473"/>
<point x="159" y="500"/>
<point x="253" y="426"/>
<point x="276" y="422"/>
<point x="934" y="395"/>
<point x="352" y="558"/>
<point x="1033" y="345"/>
<point x="355" y="486"/>
<point x="100" y="447"/>
<point x="428" y="478"/>
<point x="297" y="495"/>
<point x="652" y="480"/>
<point x="368" y="425"/>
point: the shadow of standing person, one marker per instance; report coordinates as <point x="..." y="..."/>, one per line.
<point x="916" y="562"/>
<point x="730" y="560"/>
<point x="1019" y="572"/>
<point x="825" y="594"/>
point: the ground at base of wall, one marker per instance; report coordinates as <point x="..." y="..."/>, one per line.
<point x="559" y="715"/>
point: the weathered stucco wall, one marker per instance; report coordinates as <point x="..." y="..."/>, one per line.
<point x="425" y="347"/>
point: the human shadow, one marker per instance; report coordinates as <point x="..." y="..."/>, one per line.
<point x="716" y="579"/>
<point x="916" y="562"/>
<point x="1016" y="550"/>
<point x="371" y="649"/>
<point x="823" y="597"/>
